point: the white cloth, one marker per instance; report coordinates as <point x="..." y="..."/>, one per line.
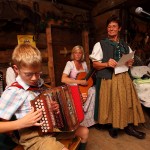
<point x="143" y="91"/>
<point x="10" y="76"/>
<point x="139" y="71"/>
<point x="142" y="86"/>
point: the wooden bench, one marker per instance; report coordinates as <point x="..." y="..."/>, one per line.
<point x="71" y="144"/>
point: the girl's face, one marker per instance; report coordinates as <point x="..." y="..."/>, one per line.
<point x="113" y="29"/>
<point x="77" y="55"/>
<point x="30" y="75"/>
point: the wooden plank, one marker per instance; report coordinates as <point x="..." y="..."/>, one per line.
<point x="106" y="5"/>
<point x="85" y="43"/>
<point x="5" y="56"/>
<point x="50" y="56"/>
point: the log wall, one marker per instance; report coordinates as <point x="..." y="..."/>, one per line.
<point x="50" y="14"/>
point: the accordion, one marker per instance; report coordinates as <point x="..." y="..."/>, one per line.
<point x="70" y="108"/>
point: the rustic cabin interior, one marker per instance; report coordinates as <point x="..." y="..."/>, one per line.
<point x="56" y="26"/>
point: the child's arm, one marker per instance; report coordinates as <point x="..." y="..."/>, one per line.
<point x="29" y="120"/>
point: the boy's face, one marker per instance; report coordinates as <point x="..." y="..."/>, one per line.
<point x="30" y="75"/>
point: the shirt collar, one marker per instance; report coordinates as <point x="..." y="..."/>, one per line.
<point x="26" y="86"/>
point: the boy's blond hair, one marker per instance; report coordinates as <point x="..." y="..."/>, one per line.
<point x="26" y="55"/>
<point x="75" y="48"/>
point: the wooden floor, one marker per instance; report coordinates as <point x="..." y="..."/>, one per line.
<point x="100" y="140"/>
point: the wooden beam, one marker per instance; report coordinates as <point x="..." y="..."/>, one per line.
<point x="106" y="5"/>
<point x="50" y="56"/>
<point x="85" y="43"/>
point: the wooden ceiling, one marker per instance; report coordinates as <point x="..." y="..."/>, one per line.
<point x="91" y="4"/>
<point x="84" y="4"/>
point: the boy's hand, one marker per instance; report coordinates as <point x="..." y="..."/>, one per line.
<point x="31" y="119"/>
<point x="55" y="107"/>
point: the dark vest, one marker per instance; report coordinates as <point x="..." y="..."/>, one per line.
<point x="108" y="52"/>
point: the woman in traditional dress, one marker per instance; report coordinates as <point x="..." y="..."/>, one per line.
<point x="117" y="103"/>
<point x="72" y="69"/>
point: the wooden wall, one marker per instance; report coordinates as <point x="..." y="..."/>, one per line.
<point x="73" y="19"/>
<point x="135" y="30"/>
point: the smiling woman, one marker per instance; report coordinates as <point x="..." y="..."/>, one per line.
<point x="113" y="106"/>
<point x="72" y="69"/>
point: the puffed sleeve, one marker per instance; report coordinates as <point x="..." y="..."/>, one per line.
<point x="97" y="54"/>
<point x="68" y="68"/>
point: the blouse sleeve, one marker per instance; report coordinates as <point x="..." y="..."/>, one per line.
<point x="68" y="68"/>
<point x="97" y="54"/>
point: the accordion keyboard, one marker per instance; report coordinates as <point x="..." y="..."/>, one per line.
<point x="66" y="120"/>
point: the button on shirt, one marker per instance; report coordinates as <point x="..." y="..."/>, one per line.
<point x="16" y="100"/>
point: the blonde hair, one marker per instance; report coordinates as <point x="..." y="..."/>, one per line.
<point x="75" y="48"/>
<point x="26" y="55"/>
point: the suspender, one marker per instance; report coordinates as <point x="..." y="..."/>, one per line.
<point x="16" y="84"/>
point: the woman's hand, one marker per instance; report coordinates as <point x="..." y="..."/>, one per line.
<point x="130" y="62"/>
<point x="111" y="63"/>
<point x="84" y="97"/>
<point x="82" y="82"/>
<point x="31" y="119"/>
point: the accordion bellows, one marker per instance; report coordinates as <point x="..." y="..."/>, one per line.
<point x="70" y="107"/>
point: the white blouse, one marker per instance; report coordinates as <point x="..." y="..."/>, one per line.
<point x="97" y="53"/>
<point x="70" y="66"/>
